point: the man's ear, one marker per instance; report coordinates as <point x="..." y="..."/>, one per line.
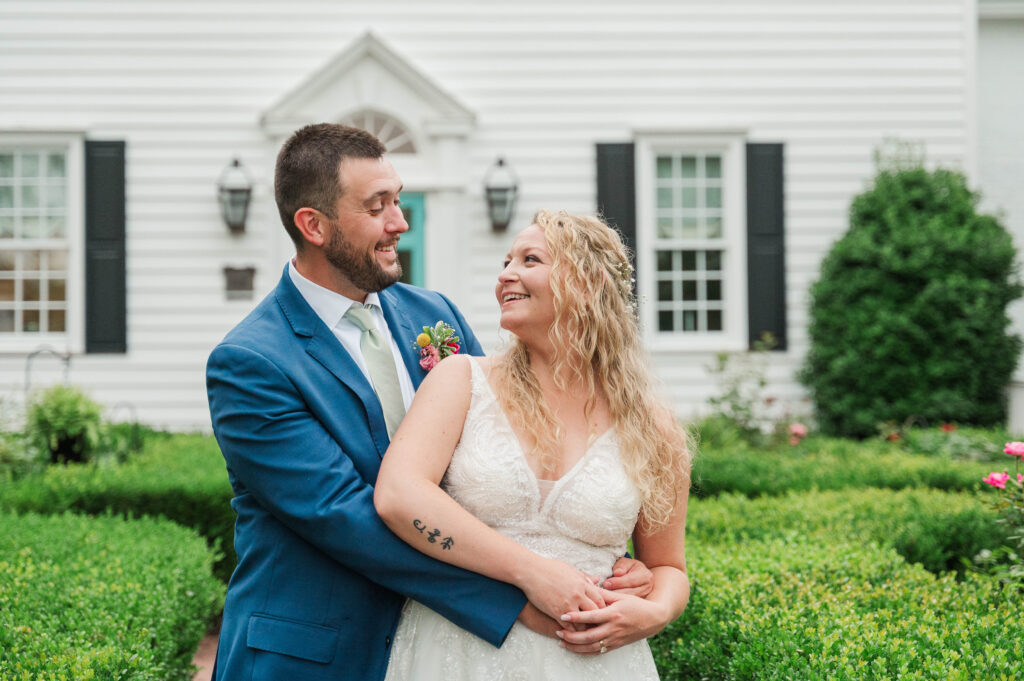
<point x="312" y="225"/>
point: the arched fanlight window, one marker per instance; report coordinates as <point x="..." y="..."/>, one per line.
<point x="393" y="134"/>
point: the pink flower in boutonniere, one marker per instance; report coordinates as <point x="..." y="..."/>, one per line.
<point x="435" y="343"/>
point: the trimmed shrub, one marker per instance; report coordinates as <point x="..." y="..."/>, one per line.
<point x="937" y="529"/>
<point x="825" y="463"/>
<point x="102" y="598"/>
<point x="908" y="302"/>
<point x="179" y="477"/>
<point x="795" y="609"/>
<point x="65" y="423"/>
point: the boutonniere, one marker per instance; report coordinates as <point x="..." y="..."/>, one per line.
<point x="435" y="343"/>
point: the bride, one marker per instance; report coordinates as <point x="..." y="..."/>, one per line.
<point x="537" y="466"/>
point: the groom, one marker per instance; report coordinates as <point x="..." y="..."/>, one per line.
<point x="304" y="395"/>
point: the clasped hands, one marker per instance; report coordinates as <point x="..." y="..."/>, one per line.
<point x="591" y="618"/>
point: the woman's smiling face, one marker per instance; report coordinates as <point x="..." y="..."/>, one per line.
<point x="524" y="286"/>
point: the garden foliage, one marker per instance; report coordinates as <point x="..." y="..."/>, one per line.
<point x="102" y="598"/>
<point x="65" y="423"/>
<point x="908" y="319"/>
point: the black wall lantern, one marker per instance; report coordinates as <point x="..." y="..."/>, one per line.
<point x="234" y="190"/>
<point x="500" y="188"/>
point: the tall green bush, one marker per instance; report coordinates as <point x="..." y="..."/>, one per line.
<point x="908" y="318"/>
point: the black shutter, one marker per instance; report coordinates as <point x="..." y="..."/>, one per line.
<point x="105" y="286"/>
<point x="616" y="190"/>
<point x="766" y="252"/>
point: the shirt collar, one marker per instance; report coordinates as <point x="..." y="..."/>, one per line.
<point x="329" y="305"/>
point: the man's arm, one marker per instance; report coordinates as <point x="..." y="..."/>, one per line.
<point x="288" y="461"/>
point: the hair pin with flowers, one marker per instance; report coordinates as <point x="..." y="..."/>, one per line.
<point x="435" y="343"/>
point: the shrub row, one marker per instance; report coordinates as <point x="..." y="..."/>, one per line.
<point x="787" y="609"/>
<point x="102" y="598"/>
<point x="180" y="477"/>
<point x="827" y="464"/>
<point x="938" y="529"/>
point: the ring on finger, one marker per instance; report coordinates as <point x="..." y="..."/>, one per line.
<point x="604" y="648"/>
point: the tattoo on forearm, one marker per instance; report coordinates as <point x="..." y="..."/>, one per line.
<point x="432" y="535"/>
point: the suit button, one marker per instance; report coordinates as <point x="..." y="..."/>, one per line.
<point x="387" y="641"/>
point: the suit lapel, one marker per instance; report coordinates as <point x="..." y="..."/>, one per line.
<point x="323" y="346"/>
<point x="404" y="332"/>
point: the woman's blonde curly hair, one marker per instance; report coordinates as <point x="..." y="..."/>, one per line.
<point x="596" y="340"/>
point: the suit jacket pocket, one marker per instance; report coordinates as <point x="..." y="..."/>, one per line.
<point x="290" y="637"/>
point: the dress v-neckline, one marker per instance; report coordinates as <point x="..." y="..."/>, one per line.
<point x="558" y="482"/>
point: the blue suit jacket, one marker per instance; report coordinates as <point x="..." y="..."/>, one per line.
<point x="320" y="579"/>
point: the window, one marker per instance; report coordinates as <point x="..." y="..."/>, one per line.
<point x="691" y="241"/>
<point x="40" y="242"/>
<point x="387" y="129"/>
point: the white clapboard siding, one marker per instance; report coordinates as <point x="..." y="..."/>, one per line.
<point x="185" y="82"/>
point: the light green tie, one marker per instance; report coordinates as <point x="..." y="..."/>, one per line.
<point x="381" y="365"/>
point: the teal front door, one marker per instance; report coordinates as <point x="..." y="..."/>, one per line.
<point x="410" y="247"/>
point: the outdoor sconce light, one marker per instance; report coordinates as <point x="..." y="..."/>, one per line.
<point x="500" y="188"/>
<point x="234" y="190"/>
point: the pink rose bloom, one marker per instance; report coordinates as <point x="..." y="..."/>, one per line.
<point x="798" y="429"/>
<point x="1014" y="449"/>
<point x="997" y="479"/>
<point x="429" y="357"/>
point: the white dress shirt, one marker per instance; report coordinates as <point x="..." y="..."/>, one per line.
<point x="331" y="307"/>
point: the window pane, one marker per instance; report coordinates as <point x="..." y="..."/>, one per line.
<point x="30" y="290"/>
<point x="665" y="322"/>
<point x="6" y="227"/>
<point x="55" y="320"/>
<point x="55" y="197"/>
<point x="688" y="166"/>
<point x="57" y="260"/>
<point x="664" y="261"/>
<point x="689" y="290"/>
<point x="666" y="228"/>
<point x="664" y="166"/>
<point x="714" y="227"/>
<point x="55" y="165"/>
<point x="713" y="260"/>
<point x="689" y="320"/>
<point x="6" y="165"/>
<point x="713" y="166"/>
<point x="714" y="288"/>
<point x="31" y="227"/>
<point x="30" y="321"/>
<point x="56" y="290"/>
<point x="689" y="228"/>
<point x="689" y="261"/>
<point x="689" y="197"/>
<point x="6" y="261"/>
<point x="30" y="165"/>
<point x="6" y="197"/>
<point x="54" y="227"/>
<point x="30" y="261"/>
<point x="29" y="197"/>
<point x="664" y="291"/>
<point x="713" y="197"/>
<point x="664" y="197"/>
<point x="714" y="320"/>
<point x="6" y="290"/>
<point x="6" y="321"/>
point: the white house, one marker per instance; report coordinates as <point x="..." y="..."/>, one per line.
<point x="725" y="138"/>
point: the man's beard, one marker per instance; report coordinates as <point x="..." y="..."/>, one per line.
<point x="361" y="268"/>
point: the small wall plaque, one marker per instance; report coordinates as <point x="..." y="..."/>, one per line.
<point x="238" y="282"/>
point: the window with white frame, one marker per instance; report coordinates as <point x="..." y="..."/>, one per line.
<point x="40" y="242"/>
<point x="691" y="242"/>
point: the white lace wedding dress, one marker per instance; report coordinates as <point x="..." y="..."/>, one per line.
<point x="585" y="519"/>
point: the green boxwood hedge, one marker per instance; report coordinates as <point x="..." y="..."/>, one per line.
<point x="788" y="609"/>
<point x="102" y="598"/>
<point x="938" y="529"/>
<point x="827" y="463"/>
<point x="178" y="477"/>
